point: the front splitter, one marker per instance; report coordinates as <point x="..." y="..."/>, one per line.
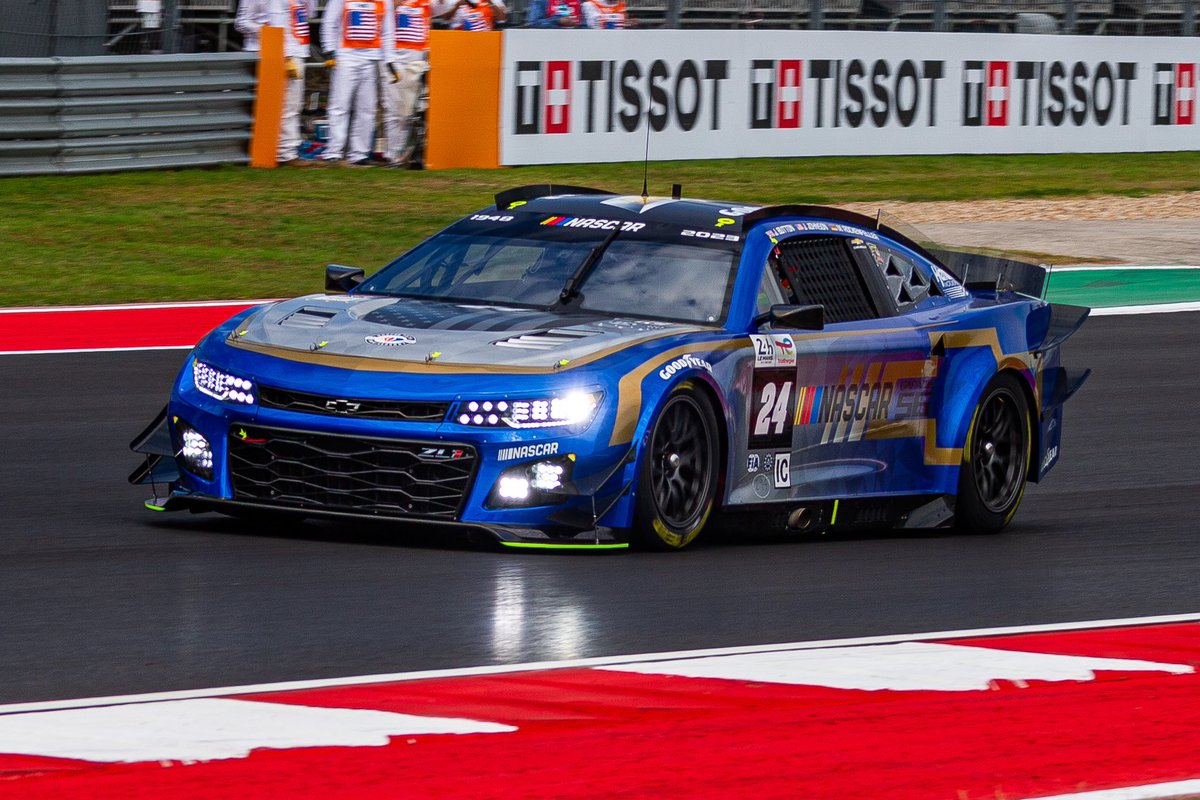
<point x="516" y="537"/>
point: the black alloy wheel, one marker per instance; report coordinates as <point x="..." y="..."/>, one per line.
<point x="678" y="483"/>
<point x="995" y="458"/>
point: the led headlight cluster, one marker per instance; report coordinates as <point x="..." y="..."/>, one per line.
<point x="195" y="452"/>
<point x="537" y="484"/>
<point x="574" y="408"/>
<point x="221" y="385"/>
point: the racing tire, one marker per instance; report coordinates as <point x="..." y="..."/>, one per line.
<point x="677" y="481"/>
<point x="996" y="455"/>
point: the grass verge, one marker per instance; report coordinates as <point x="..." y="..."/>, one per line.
<point x="240" y="233"/>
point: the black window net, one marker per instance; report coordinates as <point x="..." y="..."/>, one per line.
<point x="822" y="271"/>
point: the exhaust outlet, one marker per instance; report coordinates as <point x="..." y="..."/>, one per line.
<point x="801" y="519"/>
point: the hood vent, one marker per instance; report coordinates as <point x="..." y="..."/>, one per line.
<point x="544" y="340"/>
<point x="308" y="318"/>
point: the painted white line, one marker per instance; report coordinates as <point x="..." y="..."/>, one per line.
<point x="95" y="350"/>
<point x="134" y="306"/>
<point x="1154" y="791"/>
<point x="583" y="663"/>
<point x="1153" y="308"/>
<point x="208" y="729"/>
<point x="901" y="667"/>
<point x="1121" y="267"/>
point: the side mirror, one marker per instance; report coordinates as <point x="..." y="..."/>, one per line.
<point x="342" y="279"/>
<point x="805" y="318"/>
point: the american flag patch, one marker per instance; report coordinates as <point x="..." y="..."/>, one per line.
<point x="362" y="24"/>
<point x="410" y="24"/>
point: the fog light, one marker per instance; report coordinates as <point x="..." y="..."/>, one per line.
<point x="546" y="477"/>
<point x="195" y="452"/>
<point x="540" y="483"/>
<point x="513" y="488"/>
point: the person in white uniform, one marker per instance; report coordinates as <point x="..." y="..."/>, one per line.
<point x="292" y="16"/>
<point x="251" y="15"/>
<point x="413" y="21"/>
<point x="363" y="35"/>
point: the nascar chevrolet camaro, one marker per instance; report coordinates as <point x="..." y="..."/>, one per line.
<point x="575" y="368"/>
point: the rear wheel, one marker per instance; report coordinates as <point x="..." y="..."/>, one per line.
<point x="677" y="483"/>
<point x="996" y="456"/>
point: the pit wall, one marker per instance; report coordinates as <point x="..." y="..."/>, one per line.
<point x="590" y="96"/>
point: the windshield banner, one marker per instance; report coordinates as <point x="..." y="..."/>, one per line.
<point x="589" y="96"/>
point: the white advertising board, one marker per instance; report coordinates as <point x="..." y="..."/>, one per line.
<point x="588" y="96"/>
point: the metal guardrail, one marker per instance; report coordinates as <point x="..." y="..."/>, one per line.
<point x="114" y="113"/>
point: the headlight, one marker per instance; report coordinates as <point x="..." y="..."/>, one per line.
<point x="540" y="483"/>
<point x="221" y="385"/>
<point x="195" y="451"/>
<point x="573" y="408"/>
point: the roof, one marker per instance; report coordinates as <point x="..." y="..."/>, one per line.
<point x="580" y="201"/>
<point x="684" y="212"/>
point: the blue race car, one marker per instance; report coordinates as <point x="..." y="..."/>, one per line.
<point x="575" y="368"/>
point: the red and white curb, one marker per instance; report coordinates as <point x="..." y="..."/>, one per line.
<point x="1097" y="710"/>
<point x="89" y="329"/>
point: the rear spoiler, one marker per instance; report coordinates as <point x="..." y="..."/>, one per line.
<point x="992" y="273"/>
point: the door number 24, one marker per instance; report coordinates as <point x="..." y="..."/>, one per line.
<point x="774" y="409"/>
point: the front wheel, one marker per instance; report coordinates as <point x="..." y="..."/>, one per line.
<point x="996" y="456"/>
<point x="677" y="483"/>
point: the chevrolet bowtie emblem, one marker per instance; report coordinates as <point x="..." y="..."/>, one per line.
<point x="342" y="406"/>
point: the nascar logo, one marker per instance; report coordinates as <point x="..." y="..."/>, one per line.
<point x="593" y="223"/>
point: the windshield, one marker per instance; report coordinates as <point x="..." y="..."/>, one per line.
<point x="646" y="270"/>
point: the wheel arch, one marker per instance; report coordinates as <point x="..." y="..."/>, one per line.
<point x="708" y="389"/>
<point x="1031" y="404"/>
<point x="705" y="386"/>
<point x="701" y="386"/>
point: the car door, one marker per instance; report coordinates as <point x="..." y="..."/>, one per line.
<point x="832" y="412"/>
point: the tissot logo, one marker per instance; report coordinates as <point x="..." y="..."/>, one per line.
<point x="1174" y="94"/>
<point x="856" y="92"/>
<point x="1050" y="93"/>
<point x="562" y="97"/>
<point x="776" y="93"/>
<point x="986" y="86"/>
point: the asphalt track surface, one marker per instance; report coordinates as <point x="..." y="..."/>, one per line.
<point x="99" y="597"/>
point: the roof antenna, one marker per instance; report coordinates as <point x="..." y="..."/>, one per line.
<point x="646" y="163"/>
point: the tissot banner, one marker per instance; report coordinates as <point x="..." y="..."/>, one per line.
<point x="589" y="96"/>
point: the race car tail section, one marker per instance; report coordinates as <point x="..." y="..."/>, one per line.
<point x="1048" y="327"/>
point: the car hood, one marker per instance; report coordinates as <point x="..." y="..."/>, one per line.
<point x="409" y="330"/>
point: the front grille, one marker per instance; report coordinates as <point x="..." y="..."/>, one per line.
<point x="399" y="410"/>
<point x="321" y="471"/>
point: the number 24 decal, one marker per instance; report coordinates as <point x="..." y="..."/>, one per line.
<point x="774" y="409"/>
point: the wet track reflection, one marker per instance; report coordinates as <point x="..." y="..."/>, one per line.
<point x="98" y="596"/>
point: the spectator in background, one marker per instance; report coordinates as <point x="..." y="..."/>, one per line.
<point x="251" y="15"/>
<point x="413" y="21"/>
<point x="292" y="16"/>
<point x="359" y="37"/>
<point x="478" y="15"/>
<point x="554" y="14"/>
<point x="606" y="16"/>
